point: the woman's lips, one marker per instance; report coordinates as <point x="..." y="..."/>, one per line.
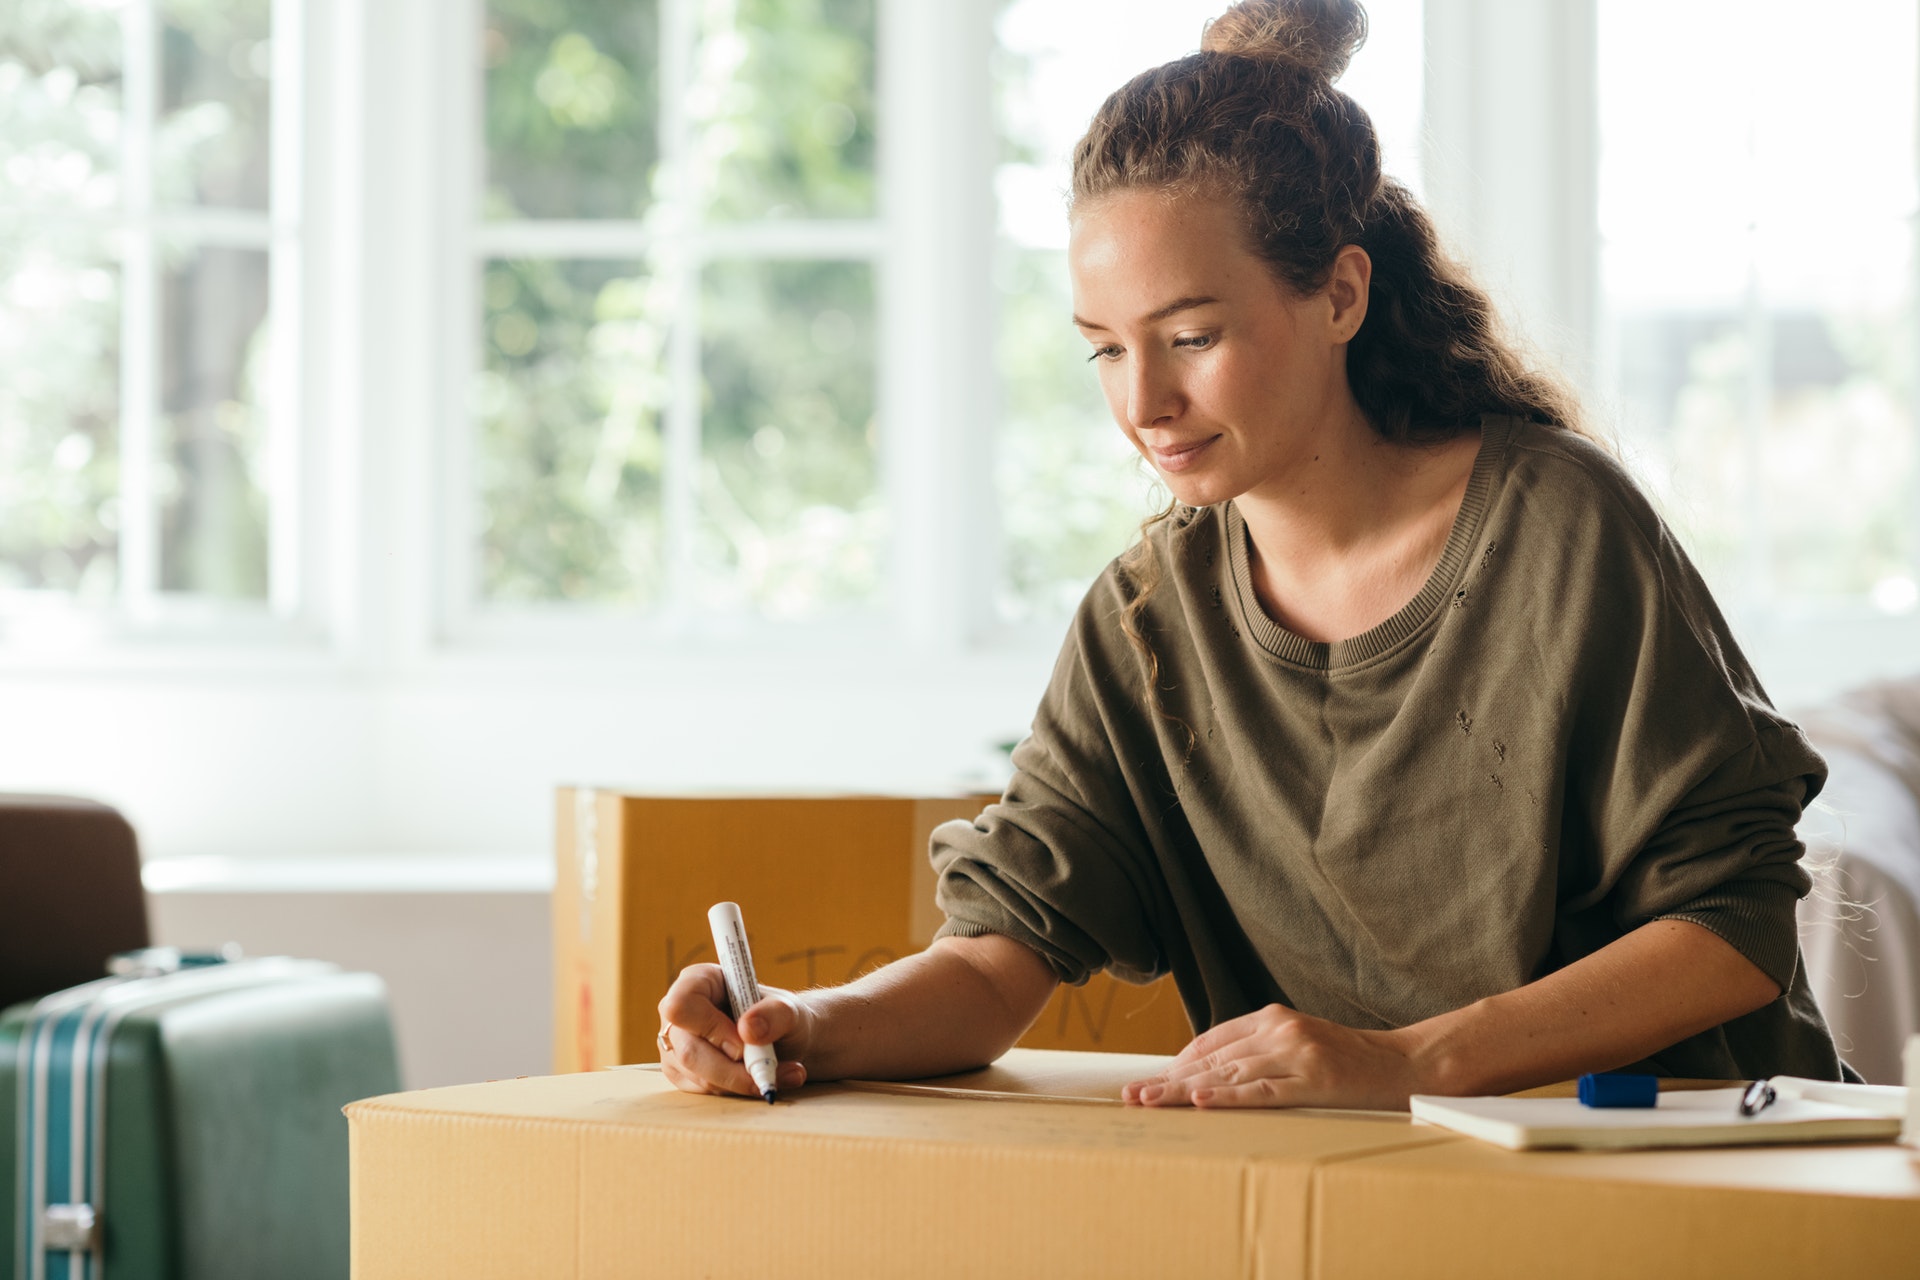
<point x="1177" y="458"/>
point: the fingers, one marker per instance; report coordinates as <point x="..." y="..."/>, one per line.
<point x="700" y="1047"/>
<point x="772" y="1020"/>
<point x="703" y="1047"/>
<point x="1221" y="1036"/>
<point x="1273" y="1057"/>
<point x="1279" y="1057"/>
<point x="1217" y="1055"/>
<point x="1214" y="1062"/>
<point x="695" y="1065"/>
<point x="1268" y="1091"/>
<point x="1250" y="1080"/>
<point x="696" y="1003"/>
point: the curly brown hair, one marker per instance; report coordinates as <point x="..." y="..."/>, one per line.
<point x="1254" y="118"/>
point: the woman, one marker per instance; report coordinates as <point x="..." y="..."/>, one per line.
<point x="1407" y="739"/>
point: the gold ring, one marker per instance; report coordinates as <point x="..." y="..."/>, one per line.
<point x="660" y="1038"/>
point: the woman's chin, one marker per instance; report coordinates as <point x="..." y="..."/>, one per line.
<point x="1193" y="491"/>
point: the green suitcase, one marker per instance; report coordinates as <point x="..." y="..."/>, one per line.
<point x="167" y="1125"/>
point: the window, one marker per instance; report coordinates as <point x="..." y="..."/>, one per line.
<point x="672" y="361"/>
<point x="1757" y="278"/>
<point x="608" y="376"/>
<point x="673" y="397"/>
<point x="148" y="266"/>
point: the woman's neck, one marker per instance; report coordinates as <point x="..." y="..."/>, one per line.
<point x="1349" y="536"/>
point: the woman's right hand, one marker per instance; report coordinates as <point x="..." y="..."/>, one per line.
<point x="701" y="1047"/>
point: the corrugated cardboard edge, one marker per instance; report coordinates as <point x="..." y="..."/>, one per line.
<point x="587" y="884"/>
<point x="567" y="943"/>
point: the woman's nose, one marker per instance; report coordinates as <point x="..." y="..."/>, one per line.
<point x="1151" y="394"/>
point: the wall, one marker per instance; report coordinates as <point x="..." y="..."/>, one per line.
<point x="465" y="951"/>
<point x="463" y="760"/>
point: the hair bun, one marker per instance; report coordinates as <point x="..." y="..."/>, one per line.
<point x="1317" y="36"/>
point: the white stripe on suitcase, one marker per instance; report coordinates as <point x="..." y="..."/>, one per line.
<point x="79" y="1063"/>
<point x="36" y="1050"/>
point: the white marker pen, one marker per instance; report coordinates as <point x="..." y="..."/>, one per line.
<point x="743" y="990"/>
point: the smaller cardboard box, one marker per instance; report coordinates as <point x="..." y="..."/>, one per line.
<point x="1844" y="1209"/>
<point x="830" y="887"/>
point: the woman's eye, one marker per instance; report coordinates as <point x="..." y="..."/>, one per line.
<point x="1104" y="353"/>
<point x="1198" y="342"/>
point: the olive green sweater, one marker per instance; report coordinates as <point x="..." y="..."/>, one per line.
<point x="1557" y="741"/>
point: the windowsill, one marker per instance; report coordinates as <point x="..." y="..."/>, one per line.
<point x="399" y="873"/>
<point x="821" y="657"/>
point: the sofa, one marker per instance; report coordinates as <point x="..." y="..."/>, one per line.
<point x="1860" y="927"/>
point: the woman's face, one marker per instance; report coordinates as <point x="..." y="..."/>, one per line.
<point x="1221" y="377"/>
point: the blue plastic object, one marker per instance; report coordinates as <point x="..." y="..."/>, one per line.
<point x="1616" y="1090"/>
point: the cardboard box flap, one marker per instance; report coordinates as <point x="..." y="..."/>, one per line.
<point x="1031" y="1075"/>
<point x="1046" y="1075"/>
<point x="641" y="1099"/>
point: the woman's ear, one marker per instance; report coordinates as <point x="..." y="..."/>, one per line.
<point x="1347" y="290"/>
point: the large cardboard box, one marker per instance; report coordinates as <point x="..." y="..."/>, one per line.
<point x="1032" y="1168"/>
<point x="615" y="1173"/>
<point x="830" y="887"/>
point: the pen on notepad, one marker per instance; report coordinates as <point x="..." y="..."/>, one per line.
<point x="1759" y="1096"/>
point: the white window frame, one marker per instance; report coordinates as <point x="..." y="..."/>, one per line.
<point x="40" y="624"/>
<point x="934" y="201"/>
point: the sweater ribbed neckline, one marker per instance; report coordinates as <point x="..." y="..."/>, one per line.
<point x="1320" y="655"/>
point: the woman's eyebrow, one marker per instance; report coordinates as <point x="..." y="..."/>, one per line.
<point x="1153" y="317"/>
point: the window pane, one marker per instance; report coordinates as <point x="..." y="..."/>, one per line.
<point x="1072" y="490"/>
<point x="569" y="458"/>
<point x="1758" y="279"/>
<point x="60" y="293"/>
<point x="1069" y="498"/>
<point x="59" y="413"/>
<point x="210" y="484"/>
<point x="791" y="517"/>
<point x="571" y="90"/>
<point x="60" y="98"/>
<point x="783" y="101"/>
<point x="1840" y="424"/>
<point x="210" y="146"/>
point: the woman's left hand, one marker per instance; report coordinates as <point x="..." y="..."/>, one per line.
<point x="1280" y="1057"/>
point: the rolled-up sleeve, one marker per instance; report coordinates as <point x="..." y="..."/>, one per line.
<point x="1727" y="857"/>
<point x="1062" y="863"/>
<point x="1684" y="783"/>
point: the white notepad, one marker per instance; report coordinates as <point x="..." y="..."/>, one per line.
<point x="1806" y="1111"/>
